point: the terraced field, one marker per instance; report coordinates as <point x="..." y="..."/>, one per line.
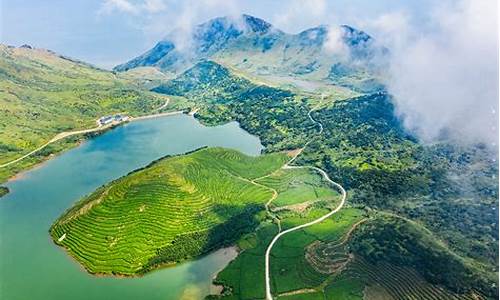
<point x="176" y="208"/>
<point x="297" y="186"/>
<point x="315" y="263"/>
<point x="290" y="271"/>
<point x="386" y="281"/>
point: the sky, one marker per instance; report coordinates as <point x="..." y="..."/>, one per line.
<point x="443" y="72"/>
<point x="109" y="32"/>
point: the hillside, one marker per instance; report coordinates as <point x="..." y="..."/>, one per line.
<point x="342" y="56"/>
<point x="449" y="189"/>
<point x="221" y="96"/>
<point x="43" y="94"/>
<point x="319" y="263"/>
<point x="176" y="208"/>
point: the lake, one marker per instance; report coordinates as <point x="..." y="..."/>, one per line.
<point x="33" y="267"/>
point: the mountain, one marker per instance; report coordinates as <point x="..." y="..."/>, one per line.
<point x="205" y="40"/>
<point x="340" y="55"/>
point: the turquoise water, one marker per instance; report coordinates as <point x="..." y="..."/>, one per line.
<point x="32" y="267"/>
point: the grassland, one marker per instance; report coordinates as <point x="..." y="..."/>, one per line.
<point x="43" y="94"/>
<point x="319" y="263"/>
<point x="176" y="208"/>
<point x="448" y="188"/>
<point x="298" y="186"/>
<point x="290" y="271"/>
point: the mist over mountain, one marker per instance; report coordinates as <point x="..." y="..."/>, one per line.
<point x="335" y="54"/>
<point x="432" y="107"/>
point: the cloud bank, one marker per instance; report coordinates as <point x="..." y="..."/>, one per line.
<point x="444" y="68"/>
<point x="132" y="7"/>
<point x="444" y="78"/>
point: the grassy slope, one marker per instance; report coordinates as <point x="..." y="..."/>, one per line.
<point x="405" y="243"/>
<point x="296" y="186"/>
<point x="292" y="272"/>
<point x="450" y="189"/>
<point x="289" y="269"/>
<point x="174" y="209"/>
<point x="42" y="94"/>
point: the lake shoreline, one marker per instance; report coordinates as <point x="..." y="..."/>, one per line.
<point x="44" y="194"/>
<point x="84" y="137"/>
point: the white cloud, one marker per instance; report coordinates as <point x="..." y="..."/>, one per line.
<point x="301" y="14"/>
<point x="392" y="29"/>
<point x="444" y="78"/>
<point x="109" y="6"/>
<point x="179" y="21"/>
<point x="334" y="43"/>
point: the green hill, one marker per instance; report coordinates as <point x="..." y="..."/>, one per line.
<point x="43" y="94"/>
<point x="176" y="208"/>
<point x="277" y="116"/>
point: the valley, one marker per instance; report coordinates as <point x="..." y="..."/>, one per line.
<point x="45" y="94"/>
<point x="300" y="181"/>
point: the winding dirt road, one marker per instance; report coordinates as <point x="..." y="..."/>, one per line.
<point x="269" y="296"/>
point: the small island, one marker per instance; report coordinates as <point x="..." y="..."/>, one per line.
<point x="3" y="191"/>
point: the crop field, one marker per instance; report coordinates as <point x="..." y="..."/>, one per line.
<point x="290" y="271"/>
<point x="296" y="186"/>
<point x="176" y="208"/>
<point x="387" y="281"/>
<point x="315" y="263"/>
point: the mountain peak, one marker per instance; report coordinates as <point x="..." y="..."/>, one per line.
<point x="354" y="36"/>
<point x="245" y="40"/>
<point x="242" y="23"/>
<point x="255" y="24"/>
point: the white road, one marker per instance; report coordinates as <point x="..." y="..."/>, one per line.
<point x="343" y="193"/>
<point x="276" y="238"/>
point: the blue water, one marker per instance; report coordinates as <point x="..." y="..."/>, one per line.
<point x="32" y="267"/>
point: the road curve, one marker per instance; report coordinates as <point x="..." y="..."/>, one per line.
<point x="276" y="238"/>
<point x="269" y="296"/>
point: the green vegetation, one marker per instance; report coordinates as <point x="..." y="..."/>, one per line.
<point x="324" y="261"/>
<point x="296" y="186"/>
<point x="243" y="278"/>
<point x="43" y="94"/>
<point x="3" y="191"/>
<point x="174" y="209"/>
<point x="450" y="189"/>
<point x="277" y="116"/>
<point x="404" y="243"/>
<point x="364" y="280"/>
<point x="441" y="199"/>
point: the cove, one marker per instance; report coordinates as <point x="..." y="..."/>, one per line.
<point x="33" y="267"/>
